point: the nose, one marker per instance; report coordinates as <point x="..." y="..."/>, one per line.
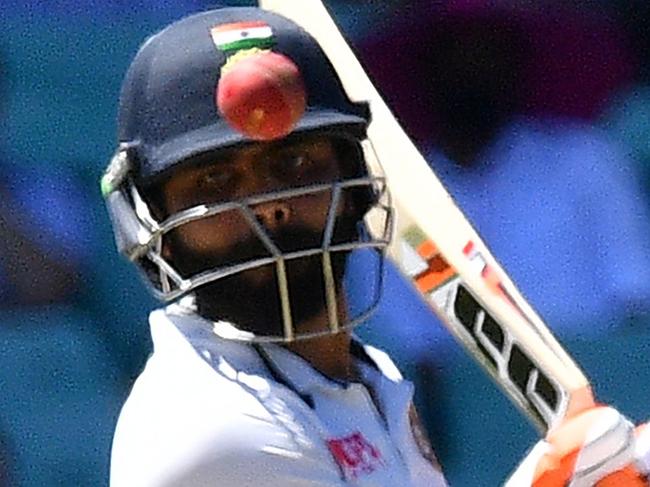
<point x="272" y="215"/>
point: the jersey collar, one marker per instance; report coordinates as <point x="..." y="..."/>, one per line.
<point x="298" y="374"/>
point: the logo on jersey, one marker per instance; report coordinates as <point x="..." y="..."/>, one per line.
<point x="355" y="455"/>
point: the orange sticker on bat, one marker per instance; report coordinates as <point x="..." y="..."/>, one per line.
<point x="436" y="271"/>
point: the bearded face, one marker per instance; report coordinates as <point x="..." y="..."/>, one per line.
<point x="251" y="299"/>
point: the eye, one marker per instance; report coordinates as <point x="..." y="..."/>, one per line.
<point x="299" y="162"/>
<point x="215" y="179"/>
<point x="287" y="167"/>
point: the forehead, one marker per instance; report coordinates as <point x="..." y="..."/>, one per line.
<point x="318" y="146"/>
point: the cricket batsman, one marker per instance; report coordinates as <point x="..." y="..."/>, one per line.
<point x="240" y="189"/>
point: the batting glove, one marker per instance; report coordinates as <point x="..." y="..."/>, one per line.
<point x="598" y="447"/>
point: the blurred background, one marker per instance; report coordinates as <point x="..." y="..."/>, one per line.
<point x="536" y="116"/>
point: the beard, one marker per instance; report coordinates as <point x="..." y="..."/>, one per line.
<point x="250" y="300"/>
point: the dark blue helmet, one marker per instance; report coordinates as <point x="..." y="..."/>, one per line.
<point x="169" y="113"/>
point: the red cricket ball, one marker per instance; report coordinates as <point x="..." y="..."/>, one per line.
<point x="262" y="96"/>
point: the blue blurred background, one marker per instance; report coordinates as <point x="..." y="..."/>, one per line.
<point x="536" y="117"/>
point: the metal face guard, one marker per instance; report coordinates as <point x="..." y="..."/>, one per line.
<point x="169" y="284"/>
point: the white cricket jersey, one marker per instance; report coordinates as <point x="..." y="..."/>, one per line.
<point x="212" y="412"/>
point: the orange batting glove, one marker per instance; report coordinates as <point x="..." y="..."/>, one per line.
<point x="598" y="447"/>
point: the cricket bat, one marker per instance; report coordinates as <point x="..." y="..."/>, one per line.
<point x="438" y="251"/>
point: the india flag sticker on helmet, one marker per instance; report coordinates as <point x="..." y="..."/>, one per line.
<point x="242" y="35"/>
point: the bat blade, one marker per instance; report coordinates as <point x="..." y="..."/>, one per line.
<point x="438" y="251"/>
